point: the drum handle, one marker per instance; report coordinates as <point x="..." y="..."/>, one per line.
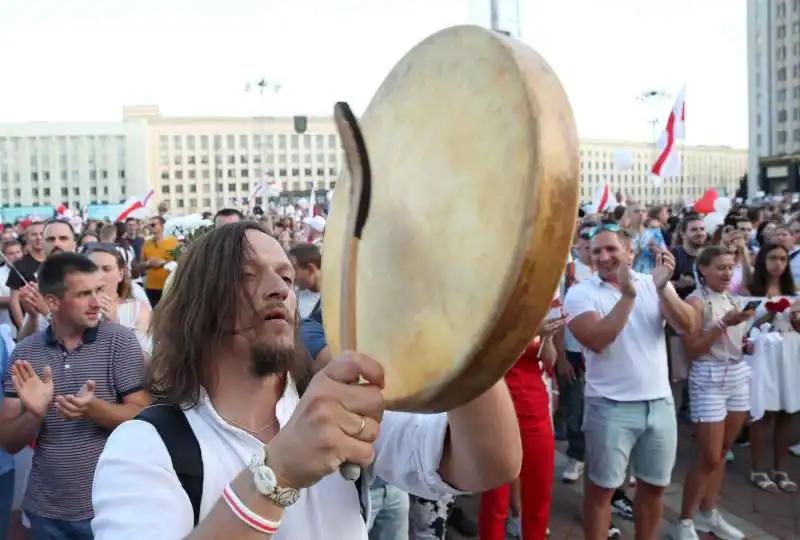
<point x="350" y="471"/>
<point x="360" y="184"/>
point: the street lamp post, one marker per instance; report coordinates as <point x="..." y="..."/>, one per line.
<point x="263" y="86"/>
<point x="652" y="99"/>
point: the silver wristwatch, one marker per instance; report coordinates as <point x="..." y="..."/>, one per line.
<point x="267" y="483"/>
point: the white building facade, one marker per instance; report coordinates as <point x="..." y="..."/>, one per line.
<point x="703" y="167"/>
<point x="75" y="164"/>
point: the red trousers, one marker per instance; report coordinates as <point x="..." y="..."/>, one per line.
<point x="538" y="460"/>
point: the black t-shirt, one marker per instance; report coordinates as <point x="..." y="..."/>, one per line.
<point x="28" y="267"/>
<point x="684" y="266"/>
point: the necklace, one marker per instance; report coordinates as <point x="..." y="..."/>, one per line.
<point x="247" y="429"/>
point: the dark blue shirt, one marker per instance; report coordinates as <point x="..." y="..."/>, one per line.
<point x="312" y="335"/>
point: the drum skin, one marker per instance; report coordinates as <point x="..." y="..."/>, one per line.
<point x="475" y="189"/>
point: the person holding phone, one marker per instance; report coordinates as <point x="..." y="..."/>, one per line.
<point x="719" y="391"/>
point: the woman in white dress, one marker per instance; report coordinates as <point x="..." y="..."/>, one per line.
<point x="120" y="304"/>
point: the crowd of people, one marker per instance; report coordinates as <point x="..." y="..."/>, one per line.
<point x="652" y="323"/>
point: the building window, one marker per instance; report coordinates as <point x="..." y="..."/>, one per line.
<point x="165" y="189"/>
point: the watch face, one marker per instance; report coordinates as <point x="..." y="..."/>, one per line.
<point x="267" y="477"/>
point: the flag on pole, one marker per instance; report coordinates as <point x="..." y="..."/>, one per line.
<point x="312" y="202"/>
<point x="604" y="199"/>
<point x="668" y="161"/>
<point x="136" y="204"/>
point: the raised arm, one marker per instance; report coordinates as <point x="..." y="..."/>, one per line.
<point x="587" y="325"/>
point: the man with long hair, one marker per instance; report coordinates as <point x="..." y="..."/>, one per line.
<point x="271" y="438"/>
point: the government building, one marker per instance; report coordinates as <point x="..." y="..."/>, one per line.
<point x="197" y="164"/>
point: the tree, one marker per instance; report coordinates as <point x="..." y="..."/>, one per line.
<point x="742" y="191"/>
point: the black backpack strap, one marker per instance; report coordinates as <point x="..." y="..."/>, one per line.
<point x="184" y="450"/>
<point x="793" y="254"/>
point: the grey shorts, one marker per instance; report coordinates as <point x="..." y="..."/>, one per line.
<point x="642" y="434"/>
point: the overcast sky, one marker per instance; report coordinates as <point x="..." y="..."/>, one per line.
<point x="77" y="60"/>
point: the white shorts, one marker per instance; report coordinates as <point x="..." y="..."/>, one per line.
<point x="717" y="388"/>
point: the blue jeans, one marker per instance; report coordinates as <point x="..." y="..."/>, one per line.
<point x="43" y="528"/>
<point x="389" y="517"/>
<point x="6" y="501"/>
<point x="571" y="401"/>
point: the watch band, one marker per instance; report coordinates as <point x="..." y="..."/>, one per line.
<point x="266" y="481"/>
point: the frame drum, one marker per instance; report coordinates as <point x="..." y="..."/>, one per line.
<point x="475" y="184"/>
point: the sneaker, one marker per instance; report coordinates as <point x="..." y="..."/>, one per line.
<point x="729" y="457"/>
<point x="614" y="532"/>
<point x="513" y="527"/>
<point x="795" y="450"/>
<point x="712" y="522"/>
<point x="685" y="530"/>
<point x="622" y="506"/>
<point x="573" y="472"/>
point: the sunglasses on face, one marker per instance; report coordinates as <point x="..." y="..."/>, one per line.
<point x="594" y="231"/>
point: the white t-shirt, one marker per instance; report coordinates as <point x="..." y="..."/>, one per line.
<point x="5" y="314"/>
<point x="634" y="366"/>
<point x="136" y="493"/>
<point x="581" y="272"/>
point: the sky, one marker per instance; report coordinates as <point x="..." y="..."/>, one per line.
<point x="82" y="60"/>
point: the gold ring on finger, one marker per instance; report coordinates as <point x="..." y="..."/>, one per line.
<point x="363" y="426"/>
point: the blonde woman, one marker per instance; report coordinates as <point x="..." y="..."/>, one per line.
<point x="719" y="391"/>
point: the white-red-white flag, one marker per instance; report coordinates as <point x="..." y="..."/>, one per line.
<point x="136" y="204"/>
<point x="312" y="203"/>
<point x="604" y="199"/>
<point x="668" y="161"/>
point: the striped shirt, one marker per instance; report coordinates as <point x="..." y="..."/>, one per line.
<point x="60" y="482"/>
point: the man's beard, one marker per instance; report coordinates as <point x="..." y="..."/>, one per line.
<point x="267" y="359"/>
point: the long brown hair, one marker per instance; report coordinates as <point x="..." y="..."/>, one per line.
<point x="198" y="314"/>
<point x="124" y="287"/>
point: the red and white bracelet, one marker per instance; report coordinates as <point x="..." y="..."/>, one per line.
<point x="249" y="517"/>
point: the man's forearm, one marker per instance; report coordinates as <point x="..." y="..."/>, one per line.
<point x="29" y="327"/>
<point x="610" y="326"/>
<point x="677" y="312"/>
<point x="483" y="448"/>
<point x="221" y="521"/>
<point x="110" y="415"/>
<point x="18" y="432"/>
<point x="16" y="309"/>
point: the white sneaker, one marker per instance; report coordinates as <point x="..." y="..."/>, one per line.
<point x="795" y="450"/>
<point x="573" y="472"/>
<point x="713" y="522"/>
<point x="685" y="530"/>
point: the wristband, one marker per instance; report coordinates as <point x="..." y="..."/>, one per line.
<point x="247" y="516"/>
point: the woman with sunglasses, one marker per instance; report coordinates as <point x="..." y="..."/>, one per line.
<point x="719" y="391"/>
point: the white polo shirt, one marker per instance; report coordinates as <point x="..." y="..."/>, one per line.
<point x="634" y="366"/>
<point x="136" y="493"/>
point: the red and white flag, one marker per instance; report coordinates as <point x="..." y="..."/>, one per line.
<point x="668" y="161"/>
<point x="136" y="204"/>
<point x="312" y="203"/>
<point x="604" y="199"/>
